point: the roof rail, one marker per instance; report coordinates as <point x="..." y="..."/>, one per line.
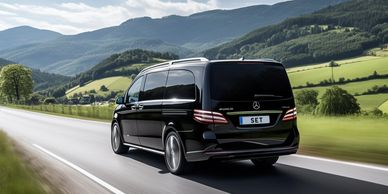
<point x="177" y="61"/>
<point x="189" y="59"/>
<point x="157" y="65"/>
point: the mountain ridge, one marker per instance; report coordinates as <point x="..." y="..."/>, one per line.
<point x="183" y="35"/>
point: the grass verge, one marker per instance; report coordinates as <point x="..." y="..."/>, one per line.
<point x="97" y="113"/>
<point x="15" y="177"/>
<point x="353" y="138"/>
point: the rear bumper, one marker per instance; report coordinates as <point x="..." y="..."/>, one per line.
<point x="239" y="154"/>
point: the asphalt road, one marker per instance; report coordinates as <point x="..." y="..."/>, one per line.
<point x="85" y="146"/>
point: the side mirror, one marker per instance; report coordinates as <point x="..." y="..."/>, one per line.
<point x="120" y="100"/>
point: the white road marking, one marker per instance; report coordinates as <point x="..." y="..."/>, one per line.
<point x="343" y="162"/>
<point x="82" y="171"/>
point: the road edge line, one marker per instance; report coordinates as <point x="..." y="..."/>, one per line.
<point x="82" y="171"/>
<point x="342" y="162"/>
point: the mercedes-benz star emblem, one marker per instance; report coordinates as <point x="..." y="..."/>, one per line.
<point x="256" y="105"/>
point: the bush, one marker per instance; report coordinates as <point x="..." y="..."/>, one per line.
<point x="376" y="112"/>
<point x="35" y="99"/>
<point x="337" y="101"/>
<point x="49" y="101"/>
<point x="103" y="88"/>
<point x="307" y="97"/>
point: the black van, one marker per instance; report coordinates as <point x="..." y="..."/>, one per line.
<point x="195" y="109"/>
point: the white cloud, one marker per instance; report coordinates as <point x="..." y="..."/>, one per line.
<point x="73" y="18"/>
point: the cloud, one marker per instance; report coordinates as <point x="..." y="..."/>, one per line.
<point x="73" y="18"/>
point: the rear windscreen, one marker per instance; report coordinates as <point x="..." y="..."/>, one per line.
<point x="235" y="81"/>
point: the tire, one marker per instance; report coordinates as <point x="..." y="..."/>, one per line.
<point x="265" y="162"/>
<point x="116" y="141"/>
<point x="174" y="157"/>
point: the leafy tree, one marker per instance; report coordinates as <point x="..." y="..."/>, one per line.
<point x="57" y="93"/>
<point x="103" y="88"/>
<point x="35" y="99"/>
<point x="306" y="100"/>
<point x="50" y="100"/>
<point x="16" y="82"/>
<point x="307" y="97"/>
<point x="333" y="64"/>
<point x="337" y="101"/>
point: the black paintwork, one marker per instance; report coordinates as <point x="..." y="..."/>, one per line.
<point x="146" y="123"/>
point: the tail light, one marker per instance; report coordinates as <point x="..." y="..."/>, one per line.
<point x="290" y="115"/>
<point x="208" y="117"/>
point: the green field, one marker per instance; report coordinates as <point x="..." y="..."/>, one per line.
<point x="15" y="177"/>
<point x="349" y="69"/>
<point x="353" y="138"/>
<point x="370" y="102"/>
<point x="321" y="65"/>
<point x="384" y="107"/>
<point x="112" y="83"/>
<point x="367" y="102"/>
<point x="354" y="87"/>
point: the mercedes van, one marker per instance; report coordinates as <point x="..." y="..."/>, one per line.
<point x="198" y="109"/>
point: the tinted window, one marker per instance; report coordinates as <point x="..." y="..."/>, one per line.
<point x="133" y="92"/>
<point x="180" y="85"/>
<point x="154" y="86"/>
<point x="247" y="81"/>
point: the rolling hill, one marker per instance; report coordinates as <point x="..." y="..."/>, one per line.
<point x="113" y="70"/>
<point x="359" y="67"/>
<point x="340" y="31"/>
<point x="183" y="35"/>
<point x="24" y="35"/>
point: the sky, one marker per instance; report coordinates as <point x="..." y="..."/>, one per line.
<point x="73" y="17"/>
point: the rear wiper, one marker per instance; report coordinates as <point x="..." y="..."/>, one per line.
<point x="267" y="95"/>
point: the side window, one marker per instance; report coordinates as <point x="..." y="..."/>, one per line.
<point x="154" y="86"/>
<point x="133" y="92"/>
<point x="180" y="85"/>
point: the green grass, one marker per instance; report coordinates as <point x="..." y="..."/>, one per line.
<point x="363" y="139"/>
<point x="370" y="102"/>
<point x="367" y="102"/>
<point x="15" y="177"/>
<point x="384" y="107"/>
<point x="326" y="64"/>
<point x="116" y="83"/>
<point x="349" y="69"/>
<point x="354" y="87"/>
<point x="92" y="112"/>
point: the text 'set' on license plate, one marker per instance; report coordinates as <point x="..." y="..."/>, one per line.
<point x="254" y="120"/>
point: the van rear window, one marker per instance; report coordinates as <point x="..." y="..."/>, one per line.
<point x="234" y="81"/>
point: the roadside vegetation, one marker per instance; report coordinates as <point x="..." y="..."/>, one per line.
<point x="352" y="138"/>
<point x="94" y="112"/>
<point x="15" y="177"/>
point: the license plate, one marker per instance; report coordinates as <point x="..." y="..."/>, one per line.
<point x="254" y="120"/>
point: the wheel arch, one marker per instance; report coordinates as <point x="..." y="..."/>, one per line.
<point x="169" y="127"/>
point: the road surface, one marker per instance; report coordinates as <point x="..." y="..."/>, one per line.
<point x="84" y="146"/>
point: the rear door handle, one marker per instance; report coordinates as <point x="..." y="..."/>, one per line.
<point x="133" y="107"/>
<point x="140" y="106"/>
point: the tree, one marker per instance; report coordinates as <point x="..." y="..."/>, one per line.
<point x="16" y="82"/>
<point x="57" y="93"/>
<point x="337" y="101"/>
<point x="103" y="88"/>
<point x="306" y="100"/>
<point x="307" y="97"/>
<point x="34" y="99"/>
